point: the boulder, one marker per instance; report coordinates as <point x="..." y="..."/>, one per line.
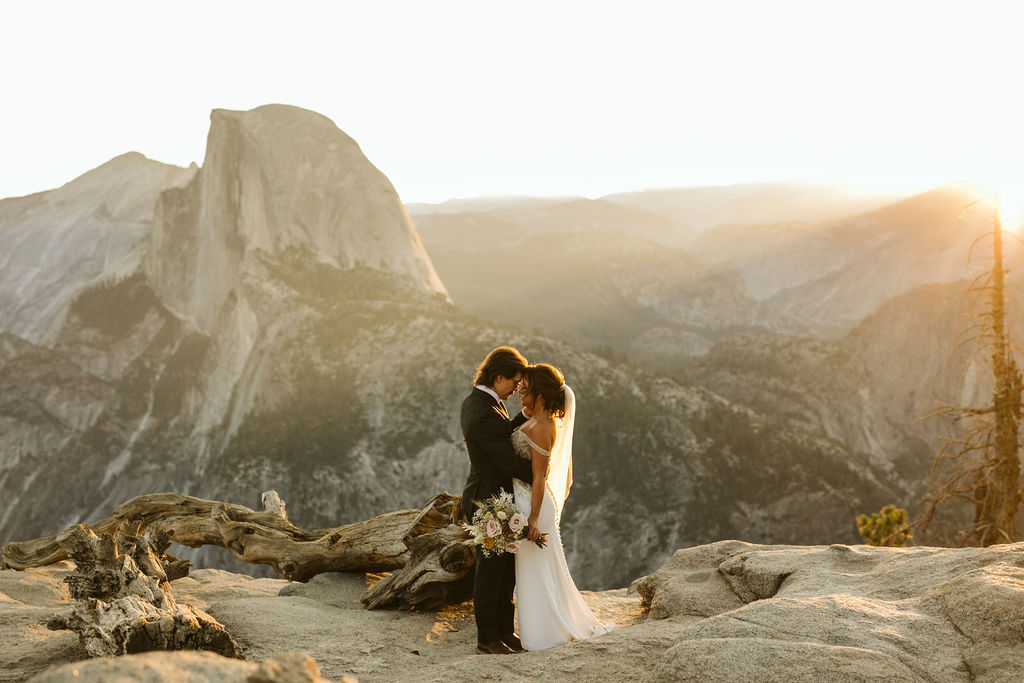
<point x="844" y="613"/>
<point x="196" y="667"/>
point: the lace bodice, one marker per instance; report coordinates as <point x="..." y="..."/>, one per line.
<point x="523" y="446"/>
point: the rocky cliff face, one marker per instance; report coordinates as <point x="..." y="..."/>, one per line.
<point x="276" y="180"/>
<point x="54" y="243"/>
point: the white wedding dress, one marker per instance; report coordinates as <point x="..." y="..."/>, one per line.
<point x="551" y="609"/>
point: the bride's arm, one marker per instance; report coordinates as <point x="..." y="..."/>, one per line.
<point x="539" y="461"/>
<point x="543" y="433"/>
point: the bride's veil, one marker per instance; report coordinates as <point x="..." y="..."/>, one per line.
<point x="560" y="465"/>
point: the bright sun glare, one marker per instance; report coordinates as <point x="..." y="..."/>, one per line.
<point x="1010" y="198"/>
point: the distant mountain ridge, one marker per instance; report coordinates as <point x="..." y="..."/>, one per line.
<point x="469" y="204"/>
<point x="832" y="275"/>
<point x="610" y="266"/>
<point x="282" y="328"/>
<point x="53" y="243"/>
<point x="703" y="208"/>
<point x="696" y="209"/>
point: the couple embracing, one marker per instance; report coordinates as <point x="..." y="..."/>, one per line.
<point x="529" y="455"/>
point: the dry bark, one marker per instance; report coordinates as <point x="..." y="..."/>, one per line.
<point x="997" y="488"/>
<point x="983" y="466"/>
<point x="439" y="568"/>
<point x="427" y="548"/>
<point x="265" y="537"/>
<point x="124" y="602"/>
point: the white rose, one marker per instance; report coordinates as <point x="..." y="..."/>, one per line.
<point x="502" y="515"/>
<point x="512" y="547"/>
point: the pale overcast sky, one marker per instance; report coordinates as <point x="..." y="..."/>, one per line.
<point x="459" y="99"/>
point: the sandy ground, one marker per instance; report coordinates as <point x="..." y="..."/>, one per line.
<point x="269" y="617"/>
<point x="28" y="600"/>
<point x="727" y="611"/>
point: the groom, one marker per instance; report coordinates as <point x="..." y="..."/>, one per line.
<point x="487" y="430"/>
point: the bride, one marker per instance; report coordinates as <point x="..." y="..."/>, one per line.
<point x="551" y="609"/>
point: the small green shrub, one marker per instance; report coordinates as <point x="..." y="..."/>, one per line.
<point x="888" y="528"/>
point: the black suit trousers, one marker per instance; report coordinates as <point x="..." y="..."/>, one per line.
<point x="493" y="586"/>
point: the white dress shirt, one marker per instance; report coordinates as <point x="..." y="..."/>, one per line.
<point x="488" y="390"/>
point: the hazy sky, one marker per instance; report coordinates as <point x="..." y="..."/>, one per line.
<point x="457" y="99"/>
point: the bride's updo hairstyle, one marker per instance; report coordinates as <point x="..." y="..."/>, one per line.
<point x="547" y="382"/>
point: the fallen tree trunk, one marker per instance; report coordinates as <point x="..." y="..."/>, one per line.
<point x="123" y="598"/>
<point x="265" y="537"/>
<point x="426" y="549"/>
<point x="439" y="570"/>
<point x="40" y="552"/>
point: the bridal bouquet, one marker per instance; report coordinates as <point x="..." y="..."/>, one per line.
<point x="499" y="526"/>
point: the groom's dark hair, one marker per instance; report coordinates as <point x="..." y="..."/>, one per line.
<point x="503" y="361"/>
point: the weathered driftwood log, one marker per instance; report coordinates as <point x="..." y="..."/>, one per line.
<point x="439" y="570"/>
<point x="257" y="537"/>
<point x="427" y="547"/>
<point x="123" y="598"/>
<point x="40" y="552"/>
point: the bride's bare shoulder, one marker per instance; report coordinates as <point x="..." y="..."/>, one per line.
<point x="541" y="433"/>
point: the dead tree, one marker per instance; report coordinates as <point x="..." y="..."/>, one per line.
<point x="256" y="537"/>
<point x="123" y="600"/>
<point x="439" y="568"/>
<point x="982" y="467"/>
<point x="426" y="548"/>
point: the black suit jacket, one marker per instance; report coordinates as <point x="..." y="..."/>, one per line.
<point x="493" y="462"/>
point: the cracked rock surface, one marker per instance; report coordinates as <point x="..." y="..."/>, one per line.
<point x="841" y="613"/>
<point x="728" y="611"/>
